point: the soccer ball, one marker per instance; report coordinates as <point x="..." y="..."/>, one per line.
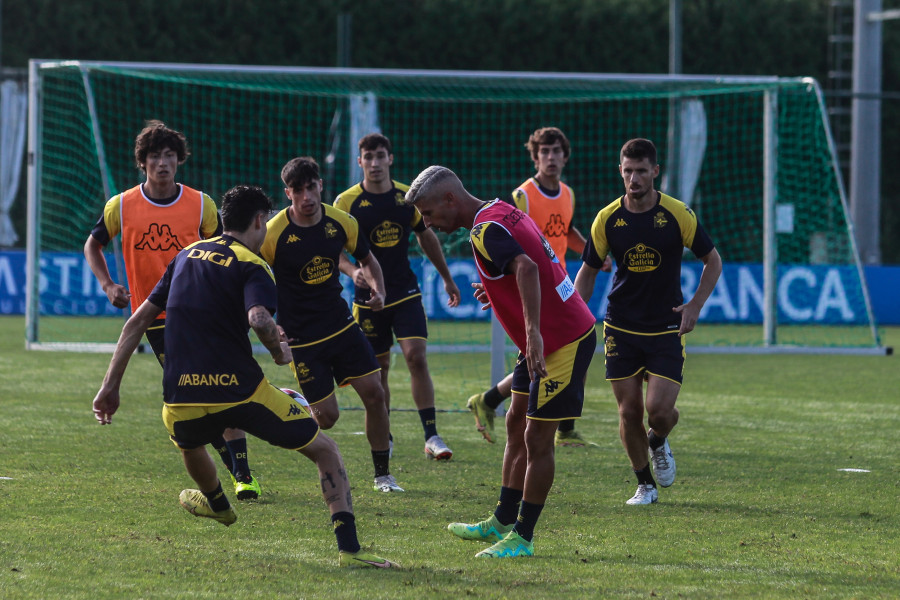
<point x="298" y="397"/>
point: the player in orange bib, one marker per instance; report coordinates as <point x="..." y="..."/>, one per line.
<point x="157" y="219"/>
<point x="551" y="205"/>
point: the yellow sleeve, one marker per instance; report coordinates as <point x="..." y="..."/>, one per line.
<point x="209" y="223"/>
<point x="112" y="215"/>
<point x="520" y="198"/>
<point x="273" y="231"/>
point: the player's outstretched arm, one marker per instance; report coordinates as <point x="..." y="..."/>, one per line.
<point x="431" y="246"/>
<point x="106" y="402"/>
<point x="118" y="294"/>
<point x="690" y="311"/>
<point x="271" y="335"/>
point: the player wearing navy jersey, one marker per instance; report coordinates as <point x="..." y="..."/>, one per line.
<point x="213" y="292"/>
<point x="157" y="219"/>
<point x="646" y="318"/>
<point x="536" y="303"/>
<point x="304" y="244"/>
<point x="387" y="222"/>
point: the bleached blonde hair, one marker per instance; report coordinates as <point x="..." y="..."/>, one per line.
<point x="429" y="181"/>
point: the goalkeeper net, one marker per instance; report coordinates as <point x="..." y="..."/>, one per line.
<point x="752" y="156"/>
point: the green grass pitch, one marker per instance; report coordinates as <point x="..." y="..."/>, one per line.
<point x="763" y="506"/>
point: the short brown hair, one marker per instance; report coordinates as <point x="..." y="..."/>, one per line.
<point x="373" y="141"/>
<point x="638" y="149"/>
<point x="154" y="137"/>
<point x="547" y="136"/>
<point x="300" y="171"/>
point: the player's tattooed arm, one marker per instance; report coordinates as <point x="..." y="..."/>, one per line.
<point x="271" y="335"/>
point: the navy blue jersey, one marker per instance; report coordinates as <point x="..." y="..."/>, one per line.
<point x="305" y="263"/>
<point x="386" y="222"/>
<point x="206" y="291"/>
<point x="647" y="248"/>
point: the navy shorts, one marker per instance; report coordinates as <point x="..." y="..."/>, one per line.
<point x="629" y="353"/>
<point x="560" y="395"/>
<point x="268" y="414"/>
<point x="405" y="319"/>
<point x="340" y="358"/>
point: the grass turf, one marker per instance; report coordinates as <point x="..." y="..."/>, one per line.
<point x="760" y="509"/>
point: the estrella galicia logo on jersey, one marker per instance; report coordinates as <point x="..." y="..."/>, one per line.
<point x="610" y="346"/>
<point x="216" y="258"/>
<point x="659" y="220"/>
<point x="318" y="270"/>
<point x="550" y="386"/>
<point x="330" y="230"/>
<point x="199" y="379"/>
<point x="555" y="227"/>
<point x="291" y="239"/>
<point x="620" y="223"/>
<point x="158" y="237"/>
<point x="642" y="258"/>
<point x="386" y="234"/>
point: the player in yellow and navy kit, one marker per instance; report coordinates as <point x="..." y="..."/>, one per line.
<point x="214" y="291"/>
<point x="156" y="220"/>
<point x="646" y="318"/>
<point x="304" y="244"/>
<point x="387" y="222"/>
<point x="535" y="302"/>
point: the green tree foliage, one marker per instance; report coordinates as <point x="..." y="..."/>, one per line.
<point x="763" y="37"/>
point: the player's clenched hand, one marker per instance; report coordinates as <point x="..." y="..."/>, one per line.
<point x="106" y="403"/>
<point x="689" y="316"/>
<point x="534" y="357"/>
<point x="481" y="296"/>
<point x="359" y="279"/>
<point x="375" y="301"/>
<point x="606" y="267"/>
<point x="118" y="295"/>
<point x="452" y="293"/>
<point x="285" y="356"/>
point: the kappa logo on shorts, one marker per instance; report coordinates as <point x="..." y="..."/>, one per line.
<point x="550" y="386"/>
<point x="295" y="410"/>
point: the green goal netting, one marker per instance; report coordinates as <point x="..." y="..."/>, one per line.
<point x="752" y="156"/>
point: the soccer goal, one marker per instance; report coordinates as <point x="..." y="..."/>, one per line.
<point x="751" y="155"/>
